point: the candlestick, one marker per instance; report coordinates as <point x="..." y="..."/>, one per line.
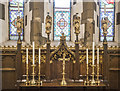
<point x="98" y="81"/>
<point x="27" y="80"/>
<point x="93" y="54"/>
<point x="87" y="55"/>
<point x="87" y="78"/>
<point x="39" y="82"/>
<point x="33" y="82"/>
<point x="26" y="55"/>
<point x="39" y="55"/>
<point x="97" y="55"/>
<point x="93" y="66"/>
<point x="33" y="53"/>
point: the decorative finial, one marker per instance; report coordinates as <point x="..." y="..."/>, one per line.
<point x="48" y="13"/>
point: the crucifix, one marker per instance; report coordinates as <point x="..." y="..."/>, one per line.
<point x="63" y="73"/>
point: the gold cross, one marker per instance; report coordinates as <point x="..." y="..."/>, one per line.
<point x="63" y="59"/>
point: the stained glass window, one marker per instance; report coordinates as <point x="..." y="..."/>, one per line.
<point x="61" y="19"/>
<point x="13" y="13"/>
<point x="110" y="13"/>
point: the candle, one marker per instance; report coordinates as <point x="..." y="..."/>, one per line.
<point x="104" y="9"/>
<point x="93" y="53"/>
<point x="33" y="53"/>
<point x="18" y="7"/>
<point x="48" y="7"/>
<point x="97" y="55"/>
<point x="27" y="56"/>
<point x="87" y="55"/>
<point x="39" y="55"/>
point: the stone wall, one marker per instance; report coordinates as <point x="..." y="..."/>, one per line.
<point x="4" y="21"/>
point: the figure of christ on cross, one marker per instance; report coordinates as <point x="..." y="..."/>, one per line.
<point x="63" y="59"/>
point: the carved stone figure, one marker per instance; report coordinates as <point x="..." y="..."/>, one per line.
<point x="48" y="23"/>
<point x="19" y="24"/>
<point x="76" y="23"/>
<point x="104" y="25"/>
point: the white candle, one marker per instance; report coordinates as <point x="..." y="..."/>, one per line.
<point x="87" y="55"/>
<point x="104" y="9"/>
<point x="27" y="56"/>
<point x="18" y="7"/>
<point x="93" y="53"/>
<point x="39" y="55"/>
<point x="33" y="53"/>
<point x="48" y="6"/>
<point x="97" y="55"/>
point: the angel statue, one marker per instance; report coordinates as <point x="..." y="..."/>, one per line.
<point x="19" y="24"/>
<point x="104" y="25"/>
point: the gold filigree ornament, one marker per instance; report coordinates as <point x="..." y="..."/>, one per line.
<point x="43" y="58"/>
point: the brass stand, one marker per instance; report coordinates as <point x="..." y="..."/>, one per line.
<point x="98" y="81"/>
<point x="93" y="74"/>
<point x="27" y="80"/>
<point x="63" y="79"/>
<point x="39" y="82"/>
<point x="33" y="82"/>
<point x="87" y="79"/>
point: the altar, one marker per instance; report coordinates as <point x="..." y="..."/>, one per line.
<point x="62" y="67"/>
<point x="58" y="87"/>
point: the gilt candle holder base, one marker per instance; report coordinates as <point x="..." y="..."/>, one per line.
<point x="33" y="81"/>
<point x="93" y="76"/>
<point x="86" y="83"/>
<point x="27" y="83"/>
<point x="63" y="83"/>
<point x="93" y="83"/>
<point x="98" y="82"/>
<point x="39" y="83"/>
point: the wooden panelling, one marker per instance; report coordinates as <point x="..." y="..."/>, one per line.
<point x="8" y="72"/>
<point x="8" y="80"/>
<point x="114" y="71"/>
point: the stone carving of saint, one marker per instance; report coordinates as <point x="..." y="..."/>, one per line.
<point x="48" y="23"/>
<point x="19" y="24"/>
<point x="104" y="25"/>
<point x="76" y="23"/>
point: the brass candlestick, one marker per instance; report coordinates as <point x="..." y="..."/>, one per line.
<point x="98" y="81"/>
<point x="93" y="75"/>
<point x="87" y="79"/>
<point x="33" y="82"/>
<point x="39" y="82"/>
<point x="27" y="80"/>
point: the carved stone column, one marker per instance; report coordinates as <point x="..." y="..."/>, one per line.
<point x="19" y="55"/>
<point x="36" y="23"/>
<point x="76" y="24"/>
<point x="18" y="64"/>
<point x="105" y="55"/>
<point x="89" y="31"/>
<point x="48" y="31"/>
<point x="88" y="20"/>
